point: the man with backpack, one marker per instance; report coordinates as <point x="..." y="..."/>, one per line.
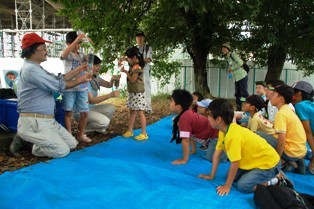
<point x="238" y="72"/>
<point x="146" y="51"/>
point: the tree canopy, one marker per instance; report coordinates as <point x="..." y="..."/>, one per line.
<point x="272" y="31"/>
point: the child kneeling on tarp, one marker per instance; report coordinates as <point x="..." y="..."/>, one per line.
<point x="253" y="160"/>
<point x="189" y="127"/>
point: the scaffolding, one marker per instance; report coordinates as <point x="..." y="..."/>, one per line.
<point x="31" y="16"/>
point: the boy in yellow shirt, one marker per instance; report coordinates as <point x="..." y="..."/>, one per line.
<point x="253" y="104"/>
<point x="253" y="160"/>
<point x="290" y="138"/>
<point x="291" y="143"/>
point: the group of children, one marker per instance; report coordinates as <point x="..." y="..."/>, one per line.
<point x="253" y="160"/>
<point x="273" y="139"/>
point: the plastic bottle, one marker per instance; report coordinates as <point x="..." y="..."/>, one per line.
<point x="90" y="59"/>
<point x="229" y="75"/>
<point x="116" y="82"/>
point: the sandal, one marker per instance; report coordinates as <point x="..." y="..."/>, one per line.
<point x="141" y="137"/>
<point x="128" y="134"/>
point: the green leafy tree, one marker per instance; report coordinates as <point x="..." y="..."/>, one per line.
<point x="282" y="31"/>
<point x="272" y="31"/>
<point x="196" y="26"/>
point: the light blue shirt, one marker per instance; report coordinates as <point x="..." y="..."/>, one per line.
<point x="93" y="92"/>
<point x="305" y="111"/>
<point x="93" y="87"/>
<point x="36" y="88"/>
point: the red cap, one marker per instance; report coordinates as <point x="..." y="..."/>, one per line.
<point x="32" y="38"/>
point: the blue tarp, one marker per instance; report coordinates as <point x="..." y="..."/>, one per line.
<point x="124" y="173"/>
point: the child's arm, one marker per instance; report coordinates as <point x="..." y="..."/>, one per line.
<point x="215" y="164"/>
<point x="281" y="143"/>
<point x="73" y="73"/>
<point x="70" y="47"/>
<point x="83" y="79"/>
<point x="225" y="189"/>
<point x="185" y="150"/>
<point x="309" y="135"/>
<point x="132" y="77"/>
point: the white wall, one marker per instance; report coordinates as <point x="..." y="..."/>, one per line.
<point x="219" y="84"/>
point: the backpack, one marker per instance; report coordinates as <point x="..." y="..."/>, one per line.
<point x="280" y="197"/>
<point x="244" y="66"/>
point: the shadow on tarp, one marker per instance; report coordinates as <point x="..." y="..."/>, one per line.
<point x="124" y="173"/>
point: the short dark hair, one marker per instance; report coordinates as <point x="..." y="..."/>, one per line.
<point x="140" y="33"/>
<point x="27" y="52"/>
<point x="200" y="96"/>
<point x="97" y="60"/>
<point x="222" y="108"/>
<point x="286" y="92"/>
<point x="262" y="83"/>
<point x="305" y="96"/>
<point x="274" y="83"/>
<point x="135" y="52"/>
<point x="70" y="37"/>
<point x="182" y="97"/>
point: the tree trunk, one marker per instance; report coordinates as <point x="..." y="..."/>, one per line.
<point x="200" y="75"/>
<point x="275" y="62"/>
<point x="198" y="47"/>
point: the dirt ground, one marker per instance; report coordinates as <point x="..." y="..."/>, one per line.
<point x="118" y="126"/>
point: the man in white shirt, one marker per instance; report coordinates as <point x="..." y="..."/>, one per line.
<point x="146" y="50"/>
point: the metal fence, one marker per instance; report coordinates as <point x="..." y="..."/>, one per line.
<point x="221" y="86"/>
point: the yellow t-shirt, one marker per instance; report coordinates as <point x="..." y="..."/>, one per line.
<point x="259" y="123"/>
<point x="286" y="121"/>
<point x="251" y="150"/>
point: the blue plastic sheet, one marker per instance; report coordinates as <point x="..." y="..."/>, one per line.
<point x="124" y="173"/>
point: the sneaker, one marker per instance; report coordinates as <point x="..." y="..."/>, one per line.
<point x="16" y="145"/>
<point x="203" y="148"/>
<point x="311" y="167"/>
<point x="128" y="134"/>
<point x="84" y="139"/>
<point x="287" y="167"/>
<point x="284" y="181"/>
<point x="308" y="155"/>
<point x="141" y="137"/>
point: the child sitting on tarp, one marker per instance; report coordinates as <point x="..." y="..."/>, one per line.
<point x="304" y="107"/>
<point x="253" y="160"/>
<point x="253" y="105"/>
<point x="188" y="126"/>
<point x="290" y="138"/>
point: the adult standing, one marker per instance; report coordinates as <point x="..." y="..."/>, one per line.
<point x="146" y="51"/>
<point x="99" y="115"/>
<point x="238" y="73"/>
<point x="36" y="102"/>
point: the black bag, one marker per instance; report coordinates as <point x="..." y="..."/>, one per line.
<point x="244" y="66"/>
<point x="7" y="94"/>
<point x="280" y="197"/>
